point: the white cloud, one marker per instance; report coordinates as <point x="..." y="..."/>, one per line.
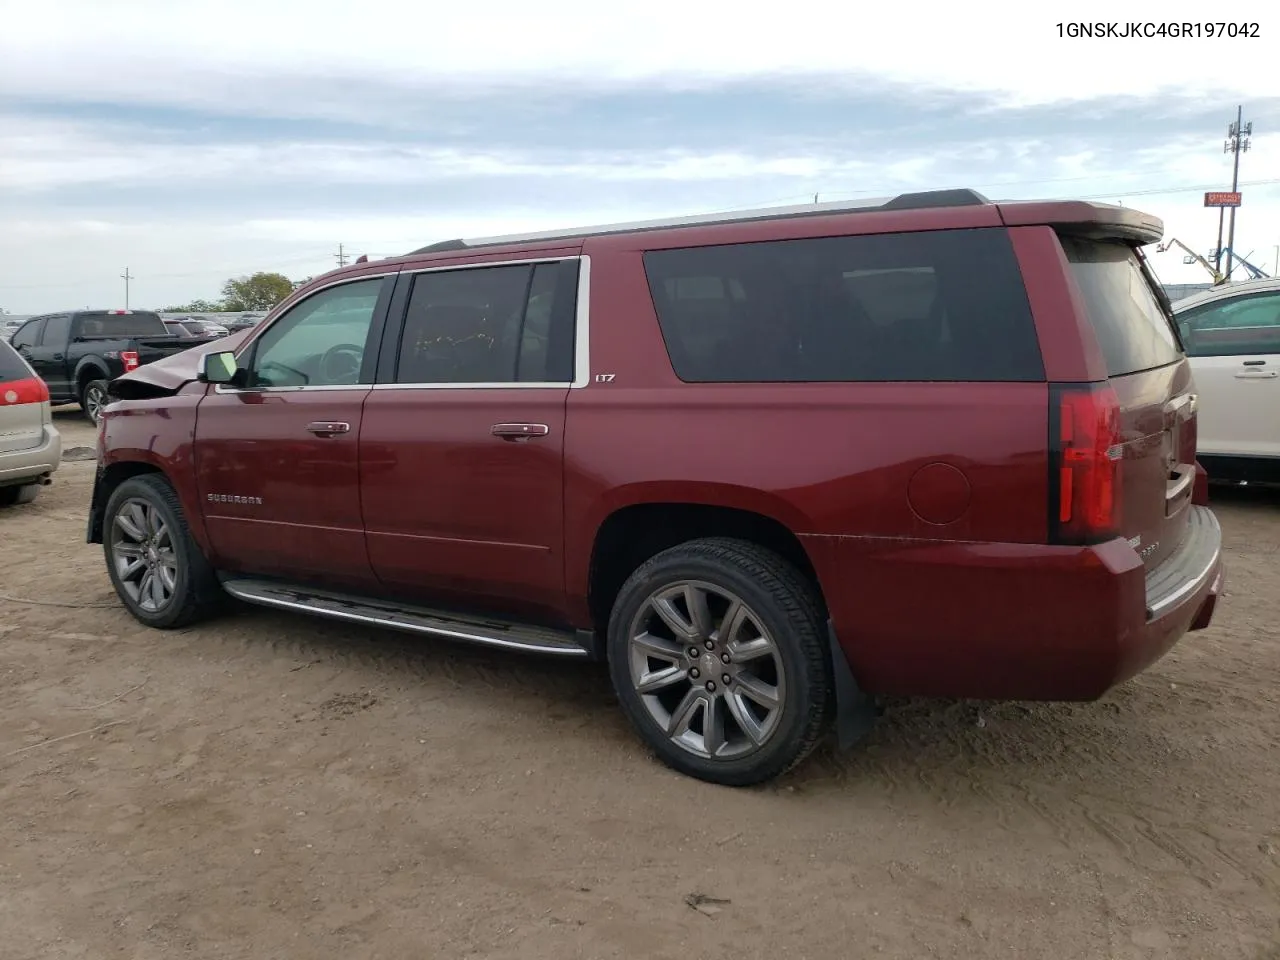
<point x="161" y="51"/>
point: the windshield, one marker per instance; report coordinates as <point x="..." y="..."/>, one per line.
<point x="1132" y="327"/>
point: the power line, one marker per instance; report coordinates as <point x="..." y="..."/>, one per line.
<point x="126" y="277"/>
<point x="341" y="256"/>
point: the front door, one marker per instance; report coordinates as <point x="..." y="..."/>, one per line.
<point x="463" y="439"/>
<point x="278" y="459"/>
<point x="1234" y="347"/>
<point x="48" y="358"/>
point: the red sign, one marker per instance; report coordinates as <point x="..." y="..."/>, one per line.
<point x="1222" y="199"/>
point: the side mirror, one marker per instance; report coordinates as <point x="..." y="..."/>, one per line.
<point x="217" y="368"/>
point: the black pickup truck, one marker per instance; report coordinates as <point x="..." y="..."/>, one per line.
<point x="79" y="352"/>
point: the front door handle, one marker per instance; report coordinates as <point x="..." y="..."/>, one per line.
<point x="328" y="428"/>
<point x="1257" y="375"/>
<point x="519" y="431"/>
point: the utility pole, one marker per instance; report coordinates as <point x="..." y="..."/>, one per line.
<point x="126" y="277"/>
<point x="1237" y="143"/>
<point x="341" y="256"/>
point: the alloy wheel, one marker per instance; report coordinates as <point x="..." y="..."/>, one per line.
<point x="142" y="552"/>
<point x="707" y="670"/>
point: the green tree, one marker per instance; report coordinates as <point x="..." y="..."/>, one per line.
<point x="262" y="291"/>
<point x="195" y="306"/>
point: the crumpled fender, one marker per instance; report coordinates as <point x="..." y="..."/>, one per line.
<point x="167" y="376"/>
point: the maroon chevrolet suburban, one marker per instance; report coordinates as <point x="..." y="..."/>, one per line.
<point x="769" y="465"/>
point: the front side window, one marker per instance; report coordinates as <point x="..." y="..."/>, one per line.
<point x="320" y="342"/>
<point x="490" y="325"/>
<point x="28" y="335"/>
<point x="946" y="305"/>
<point x="1242" y="325"/>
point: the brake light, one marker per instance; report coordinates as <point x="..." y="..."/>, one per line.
<point x="130" y="359"/>
<point x="30" y="390"/>
<point x="1086" y="463"/>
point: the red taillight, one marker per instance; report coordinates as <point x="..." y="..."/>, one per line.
<point x="31" y="390"/>
<point x="130" y="359"/>
<point x="1087" y="455"/>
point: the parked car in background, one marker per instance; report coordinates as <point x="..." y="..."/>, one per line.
<point x="767" y="464"/>
<point x="204" y="328"/>
<point x="30" y="446"/>
<point x="1232" y="335"/>
<point x="77" y="353"/>
<point x="8" y="327"/>
<point x="194" y="328"/>
<point x="244" y="322"/>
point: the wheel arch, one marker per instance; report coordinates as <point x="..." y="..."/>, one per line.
<point x="88" y="370"/>
<point x="632" y="533"/>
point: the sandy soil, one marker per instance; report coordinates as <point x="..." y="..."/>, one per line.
<point x="274" y="786"/>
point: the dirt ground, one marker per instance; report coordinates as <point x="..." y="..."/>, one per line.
<point x="273" y="786"/>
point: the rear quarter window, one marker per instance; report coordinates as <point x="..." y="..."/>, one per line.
<point x="1132" y="327"/>
<point x="945" y="305"/>
<point x="11" y="365"/>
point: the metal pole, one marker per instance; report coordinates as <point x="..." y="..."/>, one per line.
<point x="1217" y="251"/>
<point x="126" y="277"/>
<point x="1235" y="185"/>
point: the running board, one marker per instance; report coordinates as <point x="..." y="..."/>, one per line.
<point x="380" y="613"/>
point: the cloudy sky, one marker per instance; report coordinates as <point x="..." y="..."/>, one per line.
<point x="191" y="141"/>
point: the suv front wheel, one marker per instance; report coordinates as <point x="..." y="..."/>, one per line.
<point x="157" y="568"/>
<point x="716" y="652"/>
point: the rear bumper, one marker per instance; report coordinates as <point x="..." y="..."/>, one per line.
<point x="1015" y="621"/>
<point x="29" y="466"/>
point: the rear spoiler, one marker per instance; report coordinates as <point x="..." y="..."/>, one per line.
<point x="1082" y="218"/>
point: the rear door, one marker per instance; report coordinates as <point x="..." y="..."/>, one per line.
<point x="1151" y="378"/>
<point x="1234" y="345"/>
<point x="461" y="453"/>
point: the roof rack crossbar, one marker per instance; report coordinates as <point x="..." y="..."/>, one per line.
<point x="923" y="200"/>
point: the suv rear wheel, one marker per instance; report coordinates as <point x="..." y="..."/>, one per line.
<point x="157" y="568"/>
<point x="717" y="655"/>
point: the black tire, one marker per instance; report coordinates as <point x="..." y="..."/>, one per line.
<point x="785" y="605"/>
<point x="92" y="399"/>
<point x="196" y="594"/>
<point x="11" y="496"/>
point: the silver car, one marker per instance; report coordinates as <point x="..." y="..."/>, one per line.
<point x="30" y="445"/>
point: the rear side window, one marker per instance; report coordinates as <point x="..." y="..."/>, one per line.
<point x="1132" y="328"/>
<point x="119" y="326"/>
<point x="57" y="331"/>
<point x="944" y="305"/>
<point x="498" y="324"/>
<point x="11" y="365"/>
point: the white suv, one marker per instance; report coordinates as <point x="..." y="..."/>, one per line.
<point x="30" y="446"/>
<point x="1232" y="335"/>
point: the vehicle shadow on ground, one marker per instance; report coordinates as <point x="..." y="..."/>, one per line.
<point x="914" y="741"/>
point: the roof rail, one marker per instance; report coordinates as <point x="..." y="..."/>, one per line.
<point x="924" y="200"/>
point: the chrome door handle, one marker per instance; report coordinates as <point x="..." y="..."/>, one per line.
<point x="519" y="431"/>
<point x="1257" y="375"/>
<point x="328" y="428"/>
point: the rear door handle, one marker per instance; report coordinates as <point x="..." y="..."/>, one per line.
<point x="519" y="431"/>
<point x="328" y="428"/>
<point x="1257" y="375"/>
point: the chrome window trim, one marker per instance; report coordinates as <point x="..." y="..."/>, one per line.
<point x="581" y="348"/>
<point x="581" y="332"/>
